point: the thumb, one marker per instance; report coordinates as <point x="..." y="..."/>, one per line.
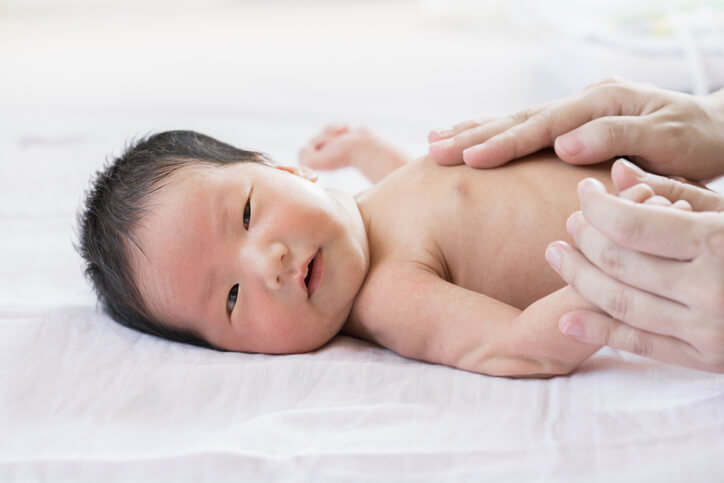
<point x="601" y="139"/>
<point x="625" y="174"/>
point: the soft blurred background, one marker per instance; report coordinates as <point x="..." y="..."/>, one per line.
<point x="248" y="70"/>
<point x="79" y="78"/>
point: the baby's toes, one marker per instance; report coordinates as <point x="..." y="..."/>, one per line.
<point x="328" y="133"/>
<point x="336" y="128"/>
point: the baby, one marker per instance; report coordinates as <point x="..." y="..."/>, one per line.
<point x="189" y="238"/>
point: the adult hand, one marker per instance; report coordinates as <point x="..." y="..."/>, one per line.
<point x="653" y="259"/>
<point x="664" y="131"/>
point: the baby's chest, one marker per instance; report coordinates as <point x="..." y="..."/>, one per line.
<point x="481" y="243"/>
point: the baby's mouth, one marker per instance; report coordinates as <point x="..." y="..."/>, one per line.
<point x="315" y="270"/>
<point x="309" y="272"/>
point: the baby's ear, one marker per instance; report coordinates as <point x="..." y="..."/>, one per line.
<point x="306" y="173"/>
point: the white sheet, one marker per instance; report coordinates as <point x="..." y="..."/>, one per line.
<point x="83" y="399"/>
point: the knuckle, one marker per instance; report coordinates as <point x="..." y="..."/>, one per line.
<point x="630" y="230"/>
<point x="711" y="349"/>
<point x="615" y="131"/>
<point x="713" y="224"/>
<point x="466" y="125"/>
<point x="614" y="79"/>
<point x="717" y="342"/>
<point x="613" y="90"/>
<point x="606" y="80"/>
<point x="524" y="115"/>
<point x="618" y="303"/>
<point x="544" y="121"/>
<point x="640" y="343"/>
<point x="611" y="261"/>
<point x="511" y="145"/>
<point x="713" y="298"/>
<point x="606" y="335"/>
<point x="676" y="130"/>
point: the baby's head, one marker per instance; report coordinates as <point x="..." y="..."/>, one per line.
<point x="193" y="240"/>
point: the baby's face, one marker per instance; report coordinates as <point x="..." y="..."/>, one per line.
<point x="254" y="258"/>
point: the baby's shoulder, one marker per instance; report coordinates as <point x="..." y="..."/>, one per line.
<point x="386" y="296"/>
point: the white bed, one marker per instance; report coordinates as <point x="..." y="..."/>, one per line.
<point x="84" y="399"/>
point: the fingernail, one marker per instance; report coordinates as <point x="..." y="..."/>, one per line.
<point x="475" y="149"/>
<point x="554" y="256"/>
<point x="442" y="132"/>
<point x="569" y="326"/>
<point x="570" y="222"/>
<point x="590" y="184"/>
<point x="640" y="173"/>
<point x="444" y="144"/>
<point x="571" y="143"/>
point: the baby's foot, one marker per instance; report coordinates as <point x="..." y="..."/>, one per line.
<point x="339" y="146"/>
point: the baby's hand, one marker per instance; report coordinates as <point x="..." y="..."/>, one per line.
<point x="643" y="193"/>
<point x="339" y="146"/>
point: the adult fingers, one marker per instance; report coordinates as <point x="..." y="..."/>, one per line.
<point x="448" y="132"/>
<point x="631" y="305"/>
<point x="664" y="277"/>
<point x="530" y="131"/>
<point x="655" y="230"/>
<point x="625" y="174"/>
<point x="600" y="329"/>
<point x="465" y="144"/>
<point x="604" y="138"/>
<point x="449" y="150"/>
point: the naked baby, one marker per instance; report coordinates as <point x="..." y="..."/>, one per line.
<point x="189" y="238"/>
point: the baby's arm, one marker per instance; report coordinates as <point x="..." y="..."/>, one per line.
<point x="339" y="146"/>
<point x="419" y="315"/>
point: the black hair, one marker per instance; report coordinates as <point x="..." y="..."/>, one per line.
<point x="115" y="204"/>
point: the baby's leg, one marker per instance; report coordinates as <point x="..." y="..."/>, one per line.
<point x="339" y="146"/>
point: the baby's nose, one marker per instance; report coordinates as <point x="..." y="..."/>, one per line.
<point x="276" y="266"/>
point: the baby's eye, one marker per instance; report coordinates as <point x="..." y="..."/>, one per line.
<point x="233" y="294"/>
<point x="247" y="213"/>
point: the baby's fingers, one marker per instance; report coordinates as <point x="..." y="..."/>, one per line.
<point x="661" y="201"/>
<point x="657" y="201"/>
<point x="637" y="193"/>
<point x="643" y="193"/>
<point x="625" y="174"/>
<point x="682" y="205"/>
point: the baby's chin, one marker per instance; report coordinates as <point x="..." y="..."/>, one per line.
<point x="296" y="347"/>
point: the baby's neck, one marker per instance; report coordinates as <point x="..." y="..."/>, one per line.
<point x="354" y="219"/>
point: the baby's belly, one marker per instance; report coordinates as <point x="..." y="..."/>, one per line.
<point x="502" y="220"/>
